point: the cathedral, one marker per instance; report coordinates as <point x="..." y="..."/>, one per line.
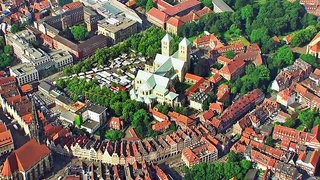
<point x="156" y="82"/>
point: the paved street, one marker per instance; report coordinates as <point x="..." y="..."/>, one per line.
<point x="18" y="135"/>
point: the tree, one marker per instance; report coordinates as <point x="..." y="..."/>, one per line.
<point x="290" y="122"/>
<point x="207" y="3"/>
<point x="79" y="32"/>
<point x="141" y="3"/>
<point x="114" y="135"/>
<point x="269" y="141"/>
<point x="173" y="127"/>
<point x="247" y="12"/>
<point x="230" y="54"/>
<point x="15" y="28"/>
<point x="149" y="5"/>
<point x="78" y="120"/>
<point x="8" y="50"/>
<point x="309" y="59"/>
<point x="304" y="36"/>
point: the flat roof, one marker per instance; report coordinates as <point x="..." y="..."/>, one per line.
<point x="107" y="6"/>
<point x="90" y="124"/>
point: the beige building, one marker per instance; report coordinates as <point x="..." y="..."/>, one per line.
<point x="24" y="73"/>
<point x="61" y="58"/>
<point x="117" y="28"/>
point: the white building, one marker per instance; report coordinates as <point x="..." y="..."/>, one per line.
<point x="20" y="42"/>
<point x="93" y="116"/>
<point x="155" y="82"/>
<point x="61" y="58"/>
<point x="24" y="73"/>
<point x="37" y="57"/>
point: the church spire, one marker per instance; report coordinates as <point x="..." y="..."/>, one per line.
<point x="35" y="126"/>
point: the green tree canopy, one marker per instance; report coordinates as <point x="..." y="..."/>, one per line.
<point x="78" y="120"/>
<point x="149" y="5"/>
<point x="114" y="135"/>
<point x="79" y="32"/>
<point x="309" y="59"/>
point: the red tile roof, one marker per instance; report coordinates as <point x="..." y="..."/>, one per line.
<point x="181" y="7"/>
<point x="72" y="5"/>
<point x="159" y="126"/>
<point x="208" y="39"/>
<point x="5" y="139"/>
<point x="175" y="21"/>
<point x="26" y="88"/>
<point x="158" y="114"/>
<point x="232" y="66"/>
<point x="208" y="114"/>
<point x="25" y="158"/>
<point x="28" y="117"/>
<point x="156" y="13"/>
<point x="3" y="128"/>
<point x="193" y="77"/>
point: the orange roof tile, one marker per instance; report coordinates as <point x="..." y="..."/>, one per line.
<point x="24" y="158"/>
<point x="181" y="7"/>
<point x="3" y="128"/>
<point x="156" y="13"/>
<point x="161" y="125"/>
<point x="5" y="138"/>
<point x="193" y="77"/>
<point x="72" y="5"/>
<point x="158" y="114"/>
<point x="175" y="21"/>
<point x="26" y="88"/>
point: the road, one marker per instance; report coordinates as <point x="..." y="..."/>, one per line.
<point x="19" y="138"/>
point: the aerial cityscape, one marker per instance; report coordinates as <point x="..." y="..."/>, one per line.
<point x="160" y="89"/>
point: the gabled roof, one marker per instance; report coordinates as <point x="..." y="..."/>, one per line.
<point x="175" y="21"/>
<point x="25" y="157"/>
<point x="156" y="13"/>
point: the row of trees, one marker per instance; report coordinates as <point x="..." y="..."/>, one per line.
<point x="236" y="166"/>
<point x="302" y="37"/>
<point x="6" y="54"/>
<point x="147" y="43"/>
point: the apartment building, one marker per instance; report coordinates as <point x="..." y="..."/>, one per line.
<point x="24" y="73"/>
<point x="61" y="58"/>
<point x="117" y="28"/>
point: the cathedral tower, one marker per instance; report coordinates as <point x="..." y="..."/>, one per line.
<point x="166" y="45"/>
<point x="184" y="51"/>
<point x="36" y="128"/>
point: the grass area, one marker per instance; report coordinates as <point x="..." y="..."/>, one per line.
<point x="182" y="87"/>
<point x="260" y="1"/>
<point x="300" y="128"/>
<point x="192" y="38"/>
<point x="238" y="40"/>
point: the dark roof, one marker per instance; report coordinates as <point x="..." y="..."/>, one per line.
<point x="96" y="108"/>
<point x="46" y="86"/>
<point x="64" y="99"/>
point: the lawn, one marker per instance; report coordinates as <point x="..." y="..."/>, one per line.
<point x="238" y="40"/>
<point x="260" y="1"/>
